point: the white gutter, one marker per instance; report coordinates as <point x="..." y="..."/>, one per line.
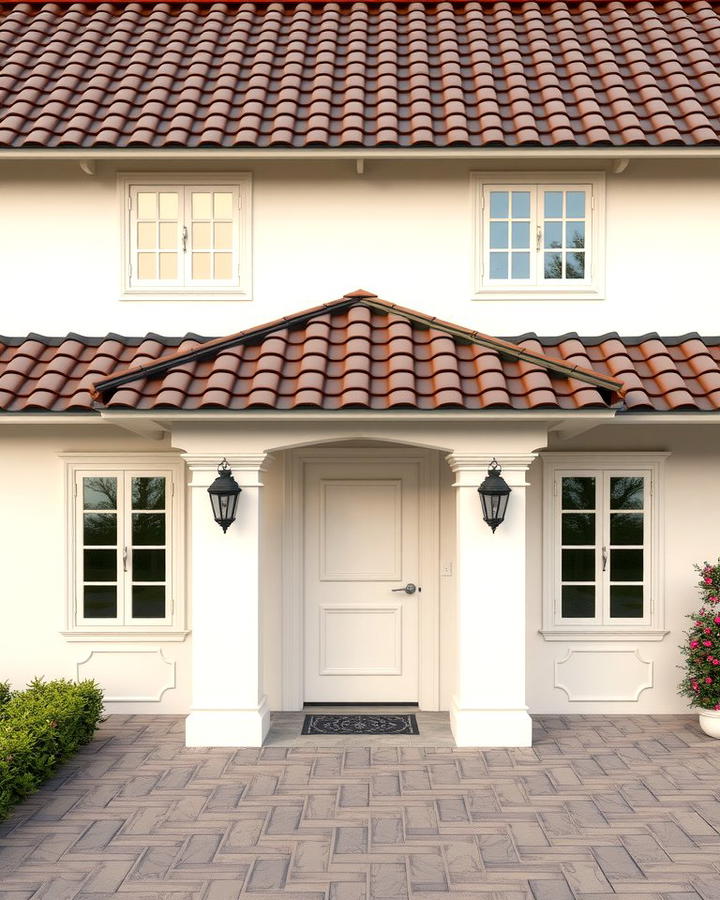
<point x="360" y="154"/>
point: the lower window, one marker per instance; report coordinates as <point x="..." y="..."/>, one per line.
<point x="123" y="563"/>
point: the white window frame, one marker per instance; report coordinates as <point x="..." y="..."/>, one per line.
<point x="183" y="288"/>
<point x="173" y="626"/>
<point x="602" y="628"/>
<point x="592" y="287"/>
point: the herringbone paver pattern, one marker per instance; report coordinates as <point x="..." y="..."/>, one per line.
<point x="627" y="806"/>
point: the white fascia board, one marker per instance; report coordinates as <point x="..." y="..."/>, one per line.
<point x="473" y="153"/>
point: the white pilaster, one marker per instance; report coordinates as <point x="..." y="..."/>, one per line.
<point x="488" y="708"/>
<point x="228" y="705"/>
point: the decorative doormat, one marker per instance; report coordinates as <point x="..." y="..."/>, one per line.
<point x="365" y="723"/>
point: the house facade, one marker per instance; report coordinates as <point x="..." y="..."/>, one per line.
<point x="358" y="252"/>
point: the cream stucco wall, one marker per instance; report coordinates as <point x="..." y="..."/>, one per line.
<point x="402" y="230"/>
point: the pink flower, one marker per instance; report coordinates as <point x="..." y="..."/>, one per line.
<point x="716" y="662"/>
<point x="708" y="631"/>
<point x="693" y="644"/>
<point x="708" y="580"/>
<point x="695" y="687"/>
<point x="708" y="680"/>
<point x="707" y="643"/>
<point x="717" y="706"/>
<point x="717" y="620"/>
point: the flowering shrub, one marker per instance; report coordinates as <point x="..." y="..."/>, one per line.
<point x="702" y="648"/>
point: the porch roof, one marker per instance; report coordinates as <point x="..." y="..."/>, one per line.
<point x="359" y="353"/>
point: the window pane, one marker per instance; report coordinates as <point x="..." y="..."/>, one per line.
<point x="222" y="266"/>
<point x="521" y="204"/>
<point x="574" y="235"/>
<point x="223" y="236"/>
<point x="147" y="205"/>
<point x="99" y="601"/>
<point x="201" y="236"/>
<point x="626" y="565"/>
<point x="626" y="601"/>
<point x="499" y="208"/>
<point x="147" y="265"/>
<point x="578" y="493"/>
<point x="521" y="235"/>
<point x="627" y="493"/>
<point x="201" y="266"/>
<point x="99" y="493"/>
<point x="575" y="265"/>
<point x="99" y="565"/>
<point x="146" y="235"/>
<point x="575" y="201"/>
<point x="520" y="265"/>
<point x="626" y="528"/>
<point x="553" y="265"/>
<point x="168" y="205"/>
<point x="498" y="235"/>
<point x="202" y="206"/>
<point x="168" y="266"/>
<point x="578" y="528"/>
<point x="553" y="234"/>
<point x="168" y="236"/>
<point x="148" y="565"/>
<point x="223" y="205"/>
<point x="553" y="204"/>
<point x="148" y="493"/>
<point x="578" y="601"/>
<point x="578" y="565"/>
<point x="148" y="602"/>
<point x="148" y="528"/>
<point x="100" y="528"/>
<point x="498" y="265"/>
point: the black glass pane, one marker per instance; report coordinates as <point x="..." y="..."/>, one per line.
<point x="626" y="601"/>
<point x="626" y="528"/>
<point x="100" y="602"/>
<point x="99" y="493"/>
<point x="578" y="528"/>
<point x="148" y="602"/>
<point x="100" y="565"/>
<point x="626" y="565"/>
<point x="578" y="565"/>
<point x="148" y="493"/>
<point x="148" y="528"/>
<point x="578" y="493"/>
<point x="578" y="601"/>
<point x="100" y="528"/>
<point x="148" y="565"/>
<point x="627" y="493"/>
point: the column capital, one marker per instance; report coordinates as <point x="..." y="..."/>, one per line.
<point x="471" y="468"/>
<point x="246" y="467"/>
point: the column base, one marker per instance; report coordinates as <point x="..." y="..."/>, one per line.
<point x="491" y="727"/>
<point x="227" y="727"/>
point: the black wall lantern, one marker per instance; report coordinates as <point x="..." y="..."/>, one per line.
<point x="494" y="494"/>
<point x="224" y="493"/>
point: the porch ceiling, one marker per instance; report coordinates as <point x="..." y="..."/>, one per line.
<point x="359" y="353"/>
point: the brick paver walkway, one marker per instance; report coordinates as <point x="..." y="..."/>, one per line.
<point x="599" y="805"/>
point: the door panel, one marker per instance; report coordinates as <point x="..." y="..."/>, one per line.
<point x="361" y="542"/>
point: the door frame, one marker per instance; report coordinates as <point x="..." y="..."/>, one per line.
<point x="293" y="564"/>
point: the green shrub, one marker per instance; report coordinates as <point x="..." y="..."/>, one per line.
<point x="39" y="728"/>
<point x="4" y="692"/>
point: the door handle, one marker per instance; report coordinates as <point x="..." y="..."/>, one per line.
<point x="409" y="588"/>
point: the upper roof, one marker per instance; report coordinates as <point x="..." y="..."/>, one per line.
<point x="359" y="353"/>
<point x="270" y="74"/>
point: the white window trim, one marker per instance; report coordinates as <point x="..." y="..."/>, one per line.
<point x="592" y="289"/>
<point x="242" y="181"/>
<point x="652" y="628"/>
<point x="176" y="628"/>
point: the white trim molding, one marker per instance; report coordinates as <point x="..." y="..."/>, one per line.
<point x="651" y="465"/>
<point x="121" y="654"/>
<point x="592" y="679"/>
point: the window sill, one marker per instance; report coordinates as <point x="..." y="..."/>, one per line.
<point x="541" y="294"/>
<point x="180" y="295"/>
<point x="607" y="634"/>
<point x="125" y="636"/>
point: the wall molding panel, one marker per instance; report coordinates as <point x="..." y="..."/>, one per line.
<point x="129" y="674"/>
<point x="607" y="674"/>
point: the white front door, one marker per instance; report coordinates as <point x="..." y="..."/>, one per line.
<point x="361" y="545"/>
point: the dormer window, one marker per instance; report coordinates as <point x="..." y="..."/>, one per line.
<point x="187" y="238"/>
<point x="538" y="238"/>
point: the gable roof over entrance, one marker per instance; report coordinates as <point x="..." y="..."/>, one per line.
<point x="359" y="353"/>
<point x="356" y="74"/>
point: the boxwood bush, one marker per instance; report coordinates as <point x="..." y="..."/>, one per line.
<point x="39" y="728"/>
